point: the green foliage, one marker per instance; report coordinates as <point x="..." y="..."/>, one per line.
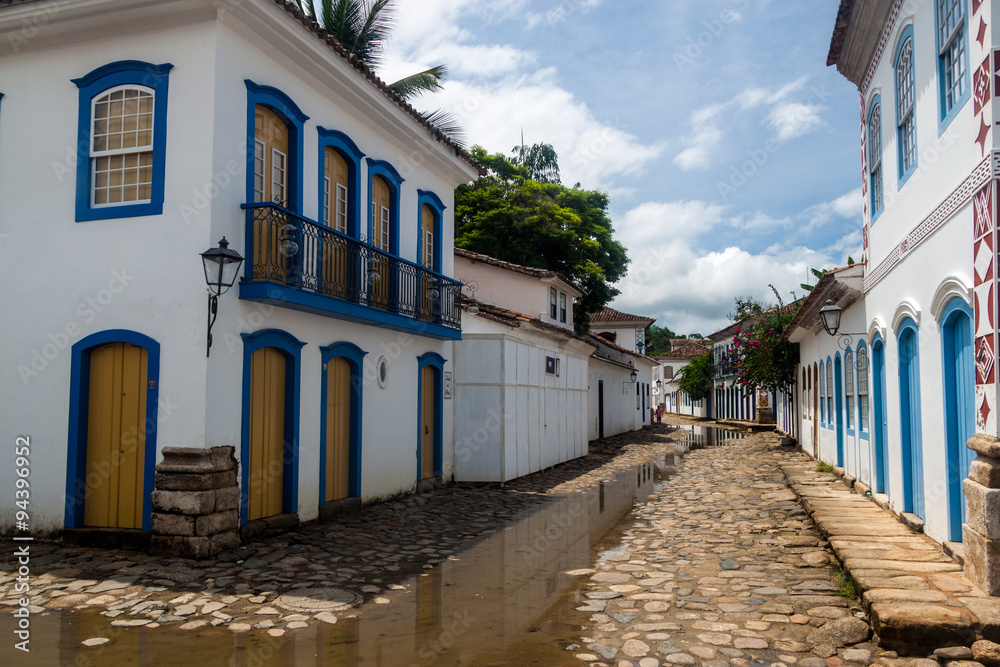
<point x="824" y="467"/>
<point x="818" y="274"/>
<point x="847" y="587"/>
<point x="362" y="27"/>
<point x="541" y="161"/>
<point x="696" y="377"/>
<point x="658" y="340"/>
<point x="511" y="216"/>
<point x="765" y="361"/>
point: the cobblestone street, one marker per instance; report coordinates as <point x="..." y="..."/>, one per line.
<point x="720" y="565"/>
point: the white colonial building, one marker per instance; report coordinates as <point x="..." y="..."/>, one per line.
<point x="667" y="377"/>
<point x="133" y="137"/>
<point x="520" y="371"/>
<point x="623" y="329"/>
<point x="926" y="74"/>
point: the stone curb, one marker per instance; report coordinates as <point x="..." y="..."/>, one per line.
<point x="915" y="595"/>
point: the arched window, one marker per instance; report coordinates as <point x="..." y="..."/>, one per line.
<point x="822" y="394"/>
<point x="906" y="123"/>
<point x="829" y="391"/>
<point x="952" y="55"/>
<point x="875" y="157"/>
<point x="849" y="386"/>
<point x="863" y="388"/>
<point x="123" y="120"/>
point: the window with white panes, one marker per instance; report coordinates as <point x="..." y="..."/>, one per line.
<point x="863" y="388"/>
<point x="906" y="124"/>
<point x="849" y="387"/>
<point x="553" y="296"/>
<point x="562" y="307"/>
<point x="121" y="148"/>
<point x="952" y="51"/>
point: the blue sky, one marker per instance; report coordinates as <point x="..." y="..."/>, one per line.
<point x="731" y="152"/>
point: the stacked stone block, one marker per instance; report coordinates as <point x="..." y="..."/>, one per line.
<point x="981" y="531"/>
<point x="196" y="502"/>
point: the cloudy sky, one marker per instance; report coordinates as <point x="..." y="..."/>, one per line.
<point x="730" y="151"/>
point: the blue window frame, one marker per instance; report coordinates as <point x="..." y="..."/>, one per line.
<point x="877" y="192"/>
<point x="381" y="168"/>
<point x="431" y="246"/>
<point x="334" y="202"/>
<point x="849" y="419"/>
<point x="830" y="387"/>
<point x="862" y="390"/>
<point x="953" y="57"/>
<point x="906" y="106"/>
<point x="291" y="348"/>
<point x="76" y="463"/>
<point x="822" y="394"/>
<point x="294" y="120"/>
<point x="122" y="140"/>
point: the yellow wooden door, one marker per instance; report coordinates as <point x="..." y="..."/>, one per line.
<point x="336" y="258"/>
<point x="116" y="436"/>
<point x="427" y="422"/>
<point x="381" y="239"/>
<point x="428" y="285"/>
<point x="267" y="432"/>
<point x="338" y="428"/>
<point x="270" y="185"/>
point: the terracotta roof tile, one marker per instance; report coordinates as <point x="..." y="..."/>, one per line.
<point x="611" y="315"/>
<point x="839" y="31"/>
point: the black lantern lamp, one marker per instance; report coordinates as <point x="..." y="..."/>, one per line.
<point x="829" y="315"/>
<point x="221" y="268"/>
<point x="659" y="385"/>
<point x="633" y="375"/>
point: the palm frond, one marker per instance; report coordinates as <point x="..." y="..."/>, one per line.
<point x="372" y="31"/>
<point x="427" y="81"/>
<point x="308" y="9"/>
<point x="447" y="123"/>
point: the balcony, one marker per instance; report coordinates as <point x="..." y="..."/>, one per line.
<point x="297" y="263"/>
<point x="725" y="368"/>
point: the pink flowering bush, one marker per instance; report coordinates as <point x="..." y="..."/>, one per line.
<point x="764" y="360"/>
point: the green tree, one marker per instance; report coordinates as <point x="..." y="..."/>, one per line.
<point x="696" y="377"/>
<point x="509" y="215"/>
<point x="658" y="340"/>
<point x="362" y="27"/>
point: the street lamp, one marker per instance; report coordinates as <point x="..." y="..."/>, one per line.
<point x="221" y="267"/>
<point x="633" y="375"/>
<point x="659" y="385"/>
<point x="830" y="314"/>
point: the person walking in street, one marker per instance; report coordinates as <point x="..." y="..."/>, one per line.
<point x="659" y="414"/>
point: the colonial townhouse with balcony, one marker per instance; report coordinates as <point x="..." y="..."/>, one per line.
<point x="133" y="136"/>
<point x="730" y="400"/>
<point x="926" y="76"/>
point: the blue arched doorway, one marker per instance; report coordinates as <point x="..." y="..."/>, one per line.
<point x="959" y="405"/>
<point x="879" y="421"/>
<point x="909" y="418"/>
<point x="838" y="374"/>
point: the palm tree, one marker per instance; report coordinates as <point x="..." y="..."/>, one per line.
<point x="362" y="27"/>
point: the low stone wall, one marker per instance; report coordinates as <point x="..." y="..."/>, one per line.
<point x="981" y="530"/>
<point x="196" y="503"/>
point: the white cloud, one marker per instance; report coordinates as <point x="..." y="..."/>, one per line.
<point x="793" y="119"/>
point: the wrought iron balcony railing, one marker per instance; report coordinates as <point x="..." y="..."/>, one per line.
<point x="724" y="369"/>
<point x="288" y="249"/>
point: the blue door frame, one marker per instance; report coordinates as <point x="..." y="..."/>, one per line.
<point x="838" y="380"/>
<point x="959" y="405"/>
<point x="909" y="419"/>
<point x="879" y="426"/>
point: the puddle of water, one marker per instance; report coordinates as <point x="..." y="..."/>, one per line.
<point x="505" y="600"/>
<point x="696" y="437"/>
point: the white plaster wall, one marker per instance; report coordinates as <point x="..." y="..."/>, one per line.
<point x="519" y="292"/>
<point x="512" y="418"/>
<point x="142" y="274"/>
<point x="620" y="414"/>
<point x="945" y="155"/>
<point x="948" y="252"/>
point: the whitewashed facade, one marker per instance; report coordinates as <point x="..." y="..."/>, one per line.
<point x="926" y="78"/>
<point x="617" y="402"/>
<point x="623" y="329"/>
<point x="520" y="380"/>
<point x="129" y="274"/>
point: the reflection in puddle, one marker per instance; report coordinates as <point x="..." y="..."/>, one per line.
<point x="505" y="600"/>
<point x="696" y="437"/>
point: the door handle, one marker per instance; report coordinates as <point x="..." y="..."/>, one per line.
<point x="426" y="430"/>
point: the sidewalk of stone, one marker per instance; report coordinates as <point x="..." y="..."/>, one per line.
<point x="915" y="595"/>
<point x="360" y="557"/>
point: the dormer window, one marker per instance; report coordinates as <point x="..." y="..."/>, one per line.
<point x="553" y="295"/>
<point x="562" y="307"/>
